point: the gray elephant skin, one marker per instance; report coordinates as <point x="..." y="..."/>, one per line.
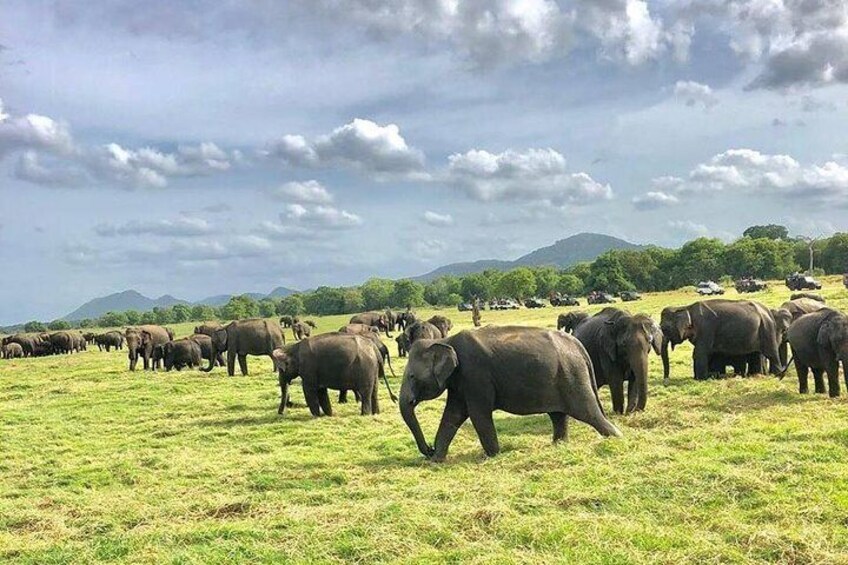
<point x="180" y="354"/>
<point x="206" y="351"/>
<point x="330" y="361"/>
<point x="378" y="319"/>
<point x="520" y="370"/>
<point x="730" y="327"/>
<point x="245" y="337"/>
<point x="141" y="342"/>
<point x="569" y="321"/>
<point x="619" y="345"/>
<point x="819" y="342"/>
<point x="442" y="323"/>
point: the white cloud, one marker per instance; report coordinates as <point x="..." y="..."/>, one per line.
<point x="322" y="217"/>
<point x="654" y="199"/>
<point x="184" y="226"/>
<point x="689" y="228"/>
<point x="306" y="192"/>
<point x="692" y="93"/>
<point x="360" y="145"/>
<point x="435" y="219"/>
<point x="29" y="168"/>
<point x="429" y="248"/>
<point x="532" y="175"/>
<point x="32" y="131"/>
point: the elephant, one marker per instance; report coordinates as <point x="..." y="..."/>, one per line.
<point x="358" y="329"/>
<point x="42" y="349"/>
<point x="520" y="370"/>
<point x="732" y="327"/>
<point x="618" y="344"/>
<point x="109" y="340"/>
<point x="301" y="330"/>
<point x="181" y="353"/>
<point x="819" y="342"/>
<point x="405" y="319"/>
<point x="13" y="351"/>
<point x="788" y="312"/>
<point x="311" y="324"/>
<point x="28" y="342"/>
<point x="421" y="330"/>
<point x="402" y="345"/>
<point x="330" y="361"/>
<point x="62" y="342"/>
<point x="89" y="337"/>
<point x="205" y="343"/>
<point x="79" y="343"/>
<point x="245" y="337"/>
<point x="569" y="321"/>
<point x="373" y="319"/>
<point x="807" y="295"/>
<point x="372" y="333"/>
<point x="443" y="323"/>
<point x="141" y="341"/>
<point x="286" y="321"/>
<point x="208" y="328"/>
<point x="391" y="318"/>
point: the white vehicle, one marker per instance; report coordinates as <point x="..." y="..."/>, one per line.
<point x="709" y="288"/>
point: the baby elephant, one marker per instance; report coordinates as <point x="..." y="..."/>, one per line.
<point x="330" y="361"/>
<point x="520" y="370"/>
<point x="181" y="353"/>
<point x="13" y="351"/>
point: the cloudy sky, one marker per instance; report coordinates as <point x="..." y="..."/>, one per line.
<point x="199" y="147"/>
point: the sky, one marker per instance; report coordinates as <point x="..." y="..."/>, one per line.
<point x="197" y="148"/>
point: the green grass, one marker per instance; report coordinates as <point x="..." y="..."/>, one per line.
<point x="101" y="465"/>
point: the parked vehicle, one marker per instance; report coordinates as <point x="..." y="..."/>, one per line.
<point x="709" y="288"/>
<point x="629" y="296"/>
<point x="597" y="297"/>
<point x="503" y="304"/>
<point x="558" y="299"/>
<point x="534" y="303"/>
<point x="748" y="284"/>
<point x="799" y="281"/>
<point x="465" y="307"/>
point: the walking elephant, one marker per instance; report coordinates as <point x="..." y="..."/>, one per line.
<point x="181" y="353"/>
<point x="245" y="337"/>
<point x="520" y="370"/>
<point x="109" y="340"/>
<point x="569" y="321"/>
<point x="141" y="342"/>
<point x="378" y="319"/>
<point x="619" y="344"/>
<point x="286" y="321"/>
<point x="819" y="342"/>
<point x="301" y="330"/>
<point x="731" y="327"/>
<point x="330" y="361"/>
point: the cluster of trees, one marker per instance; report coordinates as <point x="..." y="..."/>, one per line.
<point x="764" y="251"/>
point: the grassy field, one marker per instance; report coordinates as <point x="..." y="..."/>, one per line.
<point x="98" y="464"/>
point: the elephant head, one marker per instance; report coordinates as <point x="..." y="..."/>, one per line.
<point x="288" y="368"/>
<point x="166" y="353"/>
<point x="676" y="326"/>
<point x="219" y="344"/>
<point x="782" y="321"/>
<point x="833" y="334"/>
<point x="569" y="321"/>
<point x="630" y="340"/>
<point x="431" y="364"/>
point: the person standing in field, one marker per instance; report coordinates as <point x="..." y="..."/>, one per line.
<point x="475" y="312"/>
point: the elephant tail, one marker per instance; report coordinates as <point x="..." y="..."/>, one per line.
<point x="385" y="378"/>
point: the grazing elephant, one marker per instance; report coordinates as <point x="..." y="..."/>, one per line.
<point x="181" y="353"/>
<point x="205" y="343"/>
<point x="520" y="370"/>
<point x="619" y="344"/>
<point x="109" y="340"/>
<point x="28" y="343"/>
<point x="732" y="327"/>
<point x="373" y="319"/>
<point x="372" y="333"/>
<point x="788" y="312"/>
<point x="13" y="351"/>
<point x="89" y="337"/>
<point x="358" y="329"/>
<point x="141" y="341"/>
<point x="286" y="321"/>
<point x="62" y="342"/>
<point x="819" y="342"/>
<point x="402" y="344"/>
<point x="569" y="321"/>
<point x="443" y="323"/>
<point x="79" y="342"/>
<point x="807" y="295"/>
<point x="421" y="330"/>
<point x="301" y="330"/>
<point x="330" y="361"/>
<point x="245" y="337"/>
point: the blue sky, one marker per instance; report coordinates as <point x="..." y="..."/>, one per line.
<point x="197" y="148"/>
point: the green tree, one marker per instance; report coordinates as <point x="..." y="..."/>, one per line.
<point x="203" y="312"/>
<point x="770" y="231"/>
<point x="437" y="291"/>
<point x="477" y="284"/>
<point x="607" y="274"/>
<point x="452" y="299"/>
<point x="352" y="301"/>
<point x="57" y="325"/>
<point x="834" y="256"/>
<point x="377" y="293"/>
<point x="133" y="317"/>
<point x="113" y="320"/>
<point x="407" y="293"/>
<point x="148" y="317"/>
<point x="180" y="313"/>
<point x="518" y="283"/>
<point x="547" y="279"/>
<point x="240" y="307"/>
<point x="87" y="323"/>
<point x="569" y="284"/>
<point x="324" y="301"/>
<point x="34" y="327"/>
<point x="291" y="305"/>
<point x="267" y="308"/>
<point x="697" y="260"/>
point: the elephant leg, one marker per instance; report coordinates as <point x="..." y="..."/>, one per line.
<point x="366" y="402"/>
<point x="343" y="396"/>
<point x="324" y="402"/>
<point x="559" y="420"/>
<point x="617" y="393"/>
<point x="284" y="397"/>
<point x="803" y="377"/>
<point x="453" y="417"/>
<point x="632" y="395"/>
<point x="220" y="359"/>
<point x="231" y="364"/>
<point x="375" y="400"/>
<point x="311" y="395"/>
<point x="818" y="379"/>
<point x="242" y="359"/>
<point x="484" y="425"/>
<point x="701" y="361"/>
<point x="357" y="396"/>
<point x="832" y="370"/>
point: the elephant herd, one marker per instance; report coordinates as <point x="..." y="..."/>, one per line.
<point x="517" y="369"/>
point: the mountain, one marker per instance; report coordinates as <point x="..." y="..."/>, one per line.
<point x="121" y="302"/>
<point x="281" y="292"/>
<point x="563" y="253"/>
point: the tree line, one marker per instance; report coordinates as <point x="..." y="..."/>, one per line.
<point x="764" y="252"/>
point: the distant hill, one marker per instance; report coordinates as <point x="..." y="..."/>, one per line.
<point x="134" y="300"/>
<point x="563" y="253"/>
<point x="121" y="302"/>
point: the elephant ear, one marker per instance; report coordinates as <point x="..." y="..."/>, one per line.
<point x="656" y="336"/>
<point x="445" y="363"/>
<point x="279" y="356"/>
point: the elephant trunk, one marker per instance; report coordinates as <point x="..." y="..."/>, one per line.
<point x="664" y="355"/>
<point x="407" y="411"/>
<point x="640" y="374"/>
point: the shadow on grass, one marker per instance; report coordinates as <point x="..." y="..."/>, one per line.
<point x="757" y="401"/>
<point x="265" y="419"/>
